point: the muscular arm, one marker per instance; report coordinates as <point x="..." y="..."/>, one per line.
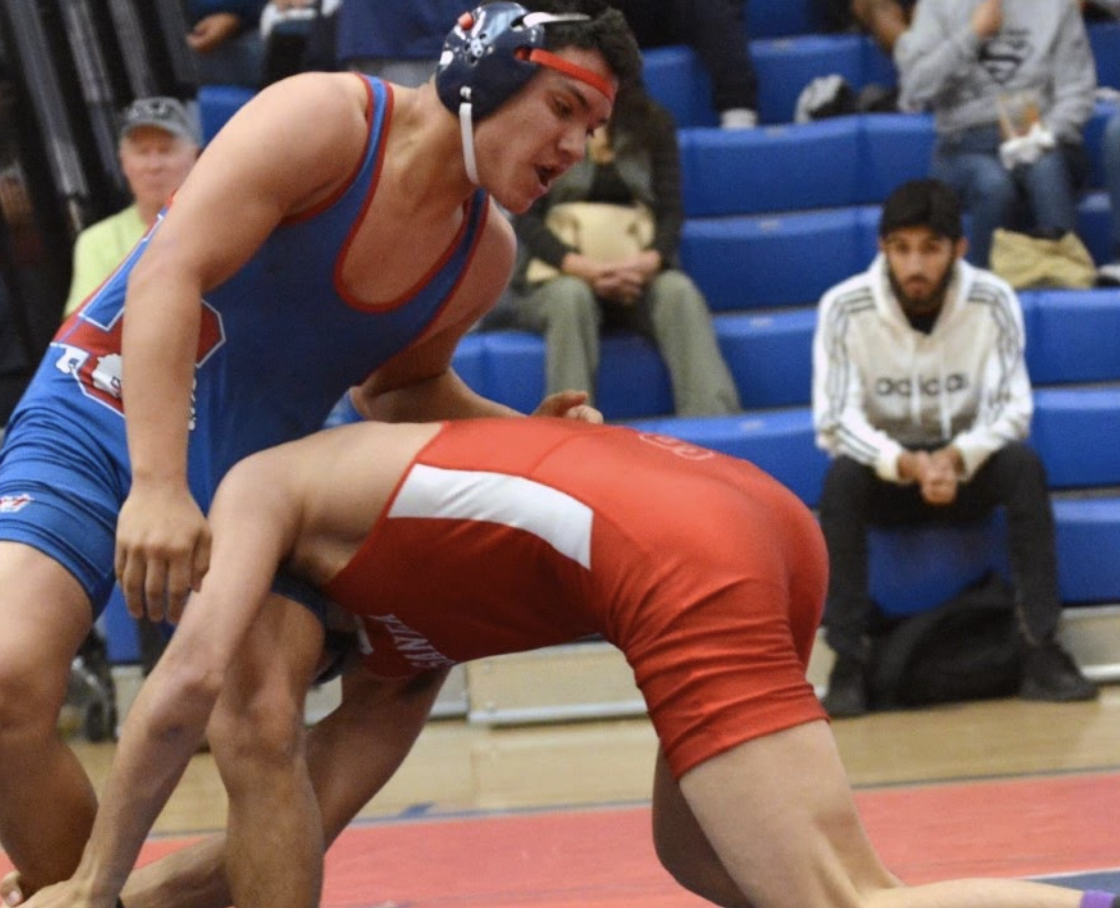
<point x="235" y="196"/>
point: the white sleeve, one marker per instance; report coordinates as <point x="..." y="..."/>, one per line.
<point x="1006" y="403"/>
<point x="839" y="414"/>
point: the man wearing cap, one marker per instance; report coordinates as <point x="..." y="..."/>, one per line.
<point x="338" y="232"/>
<point x="159" y="143"/>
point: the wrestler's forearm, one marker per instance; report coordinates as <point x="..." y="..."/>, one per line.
<point x="159" y="737"/>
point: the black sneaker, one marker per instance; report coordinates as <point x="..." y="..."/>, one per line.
<point x="847" y="689"/>
<point x="1049" y="673"/>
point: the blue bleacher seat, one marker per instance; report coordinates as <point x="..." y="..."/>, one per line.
<point x="1072" y="335"/>
<point x="777" y="260"/>
<point x="469" y="362"/>
<point x="776" y="168"/>
<point x="1104" y="38"/>
<point x="1077" y="433"/>
<point x="676" y="78"/>
<point x="786" y="65"/>
<point x="769" y="354"/>
<point x="216" y="104"/>
<point x="912" y="569"/>
<point x="514" y="368"/>
<point x="1088" y="540"/>
<point x="876" y="66"/>
<point x="633" y="380"/>
<point x="893" y="148"/>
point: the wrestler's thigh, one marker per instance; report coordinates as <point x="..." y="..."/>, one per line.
<point x="44" y="617"/>
<point x="780" y="814"/>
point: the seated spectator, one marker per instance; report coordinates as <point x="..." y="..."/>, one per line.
<point x="715" y="30"/>
<point x="568" y="292"/>
<point x="396" y="40"/>
<point x="226" y="41"/>
<point x="159" y="143"/>
<point x="922" y="399"/>
<point x="1011" y="86"/>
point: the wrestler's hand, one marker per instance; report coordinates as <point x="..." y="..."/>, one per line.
<point x="163" y="549"/>
<point x="61" y="895"/>
<point x="570" y="405"/>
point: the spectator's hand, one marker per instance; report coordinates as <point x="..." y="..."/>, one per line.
<point x="644" y="266"/>
<point x="570" y="405"/>
<point x="987" y="18"/>
<point x="163" y="549"/>
<point x="1027" y="149"/>
<point x="941" y="477"/>
<point x="619" y="285"/>
<point x="213" y="30"/>
<point x="586" y="269"/>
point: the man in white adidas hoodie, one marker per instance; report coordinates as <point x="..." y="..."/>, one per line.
<point x="921" y="397"/>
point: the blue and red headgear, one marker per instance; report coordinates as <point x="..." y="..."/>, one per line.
<point x="491" y="53"/>
<point x="494" y="50"/>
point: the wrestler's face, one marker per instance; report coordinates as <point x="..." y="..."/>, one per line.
<point x="540" y="132"/>
<point x="920" y="267"/>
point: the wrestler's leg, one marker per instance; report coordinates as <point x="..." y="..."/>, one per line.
<point x="351" y="754"/>
<point x="274" y="837"/>
<point x="779" y="812"/>
<point x="47" y="803"/>
<point x="682" y="846"/>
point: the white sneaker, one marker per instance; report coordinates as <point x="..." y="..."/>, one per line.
<point x="738" y="118"/>
<point x="1109" y="275"/>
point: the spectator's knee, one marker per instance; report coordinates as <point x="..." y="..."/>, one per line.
<point x="570" y="299"/>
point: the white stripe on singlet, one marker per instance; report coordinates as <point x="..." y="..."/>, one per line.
<point x="514" y="501"/>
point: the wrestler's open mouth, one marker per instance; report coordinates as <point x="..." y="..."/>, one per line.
<point x="546" y="175"/>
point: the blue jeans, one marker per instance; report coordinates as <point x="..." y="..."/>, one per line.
<point x="1110" y="152"/>
<point x="1037" y="197"/>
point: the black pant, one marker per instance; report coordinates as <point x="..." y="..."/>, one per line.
<point x="855" y="498"/>
<point x="712" y="28"/>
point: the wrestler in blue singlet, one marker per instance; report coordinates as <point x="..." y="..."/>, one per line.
<point x="278" y="345"/>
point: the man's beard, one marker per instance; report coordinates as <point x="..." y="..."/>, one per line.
<point x="921" y="306"/>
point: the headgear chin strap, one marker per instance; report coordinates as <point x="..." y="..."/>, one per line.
<point x="490" y="55"/>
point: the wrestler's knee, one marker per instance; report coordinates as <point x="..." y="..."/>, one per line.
<point x="31" y="695"/>
<point x="252" y="732"/>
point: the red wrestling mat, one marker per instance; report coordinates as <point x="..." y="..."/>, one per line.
<point x="603" y="858"/>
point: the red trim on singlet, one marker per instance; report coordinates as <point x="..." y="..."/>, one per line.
<point x="323" y="205"/>
<point x="409" y="294"/>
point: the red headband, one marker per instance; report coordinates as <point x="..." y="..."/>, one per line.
<point x="604" y="86"/>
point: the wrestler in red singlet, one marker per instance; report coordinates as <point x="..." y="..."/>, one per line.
<point x="706" y="572"/>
